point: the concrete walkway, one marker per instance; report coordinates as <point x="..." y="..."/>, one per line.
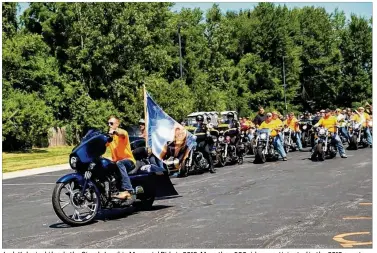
<point x="36" y="171"/>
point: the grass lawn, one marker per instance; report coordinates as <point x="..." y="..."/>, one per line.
<point x="36" y="158"/>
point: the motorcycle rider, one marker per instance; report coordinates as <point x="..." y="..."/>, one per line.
<point x="232" y="123"/>
<point x="260" y="117"/>
<point x="307" y="116"/>
<point x="349" y="115"/>
<point x="121" y="154"/>
<point x="364" y="118"/>
<point x="330" y="123"/>
<point x="209" y="123"/>
<point x="315" y="120"/>
<point x="250" y="132"/>
<point x="292" y="123"/>
<point x="341" y="119"/>
<point x="142" y="128"/>
<point x="274" y="126"/>
<point x="205" y="146"/>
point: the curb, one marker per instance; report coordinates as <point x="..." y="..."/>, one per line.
<point x="36" y="171"/>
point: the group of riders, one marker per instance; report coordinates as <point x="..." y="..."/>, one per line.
<point x="336" y="122"/>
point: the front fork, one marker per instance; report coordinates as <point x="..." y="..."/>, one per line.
<point x="87" y="176"/>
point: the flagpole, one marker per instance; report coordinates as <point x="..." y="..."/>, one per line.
<point x="145" y="116"/>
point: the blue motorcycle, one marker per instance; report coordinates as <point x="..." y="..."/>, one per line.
<point x="79" y="196"/>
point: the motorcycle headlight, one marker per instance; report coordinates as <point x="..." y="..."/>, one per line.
<point x="304" y="127"/>
<point x="322" y="131"/>
<point x="357" y="126"/>
<point x="221" y="138"/>
<point x="263" y="136"/>
<point x="286" y="130"/>
<point x="214" y="139"/>
<point x="370" y="123"/>
<point x="73" y="162"/>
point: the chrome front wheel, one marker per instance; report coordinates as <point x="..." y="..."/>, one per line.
<point x="72" y="208"/>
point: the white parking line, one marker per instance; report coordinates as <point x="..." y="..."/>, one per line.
<point x="31" y="184"/>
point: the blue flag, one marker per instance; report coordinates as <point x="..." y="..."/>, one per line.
<point x="168" y="139"/>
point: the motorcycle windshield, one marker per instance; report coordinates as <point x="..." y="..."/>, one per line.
<point x="93" y="145"/>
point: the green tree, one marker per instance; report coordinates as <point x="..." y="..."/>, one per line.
<point x="10" y="25"/>
<point x="26" y="120"/>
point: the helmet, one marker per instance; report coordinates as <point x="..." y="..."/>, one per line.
<point x="199" y="118"/>
<point x="230" y="115"/>
<point x="141" y="122"/>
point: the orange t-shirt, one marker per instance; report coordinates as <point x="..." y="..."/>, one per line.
<point x="292" y="124"/>
<point x="120" y="147"/>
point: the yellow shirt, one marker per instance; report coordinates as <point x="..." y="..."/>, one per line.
<point x="358" y="119"/>
<point x="328" y="123"/>
<point x="120" y="147"/>
<point x="278" y="123"/>
<point x="292" y="123"/>
<point x="271" y="125"/>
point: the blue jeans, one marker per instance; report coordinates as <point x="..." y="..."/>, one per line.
<point x="278" y="144"/>
<point x="251" y="137"/>
<point x="369" y="136"/>
<point x="344" y="132"/>
<point x="124" y="166"/>
<point x="154" y="160"/>
<point x="298" y="140"/>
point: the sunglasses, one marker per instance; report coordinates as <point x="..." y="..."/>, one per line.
<point x="269" y="116"/>
<point x="110" y="123"/>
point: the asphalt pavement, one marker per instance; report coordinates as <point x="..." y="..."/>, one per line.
<point x="293" y="204"/>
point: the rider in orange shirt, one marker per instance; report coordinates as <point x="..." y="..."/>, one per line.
<point x="121" y="154"/>
<point x="292" y="123"/>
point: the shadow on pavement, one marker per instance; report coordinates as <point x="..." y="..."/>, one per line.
<point x="63" y="225"/>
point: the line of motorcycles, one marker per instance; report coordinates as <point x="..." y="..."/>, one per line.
<point x="225" y="149"/>
<point x="263" y="149"/>
<point x="78" y="197"/>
